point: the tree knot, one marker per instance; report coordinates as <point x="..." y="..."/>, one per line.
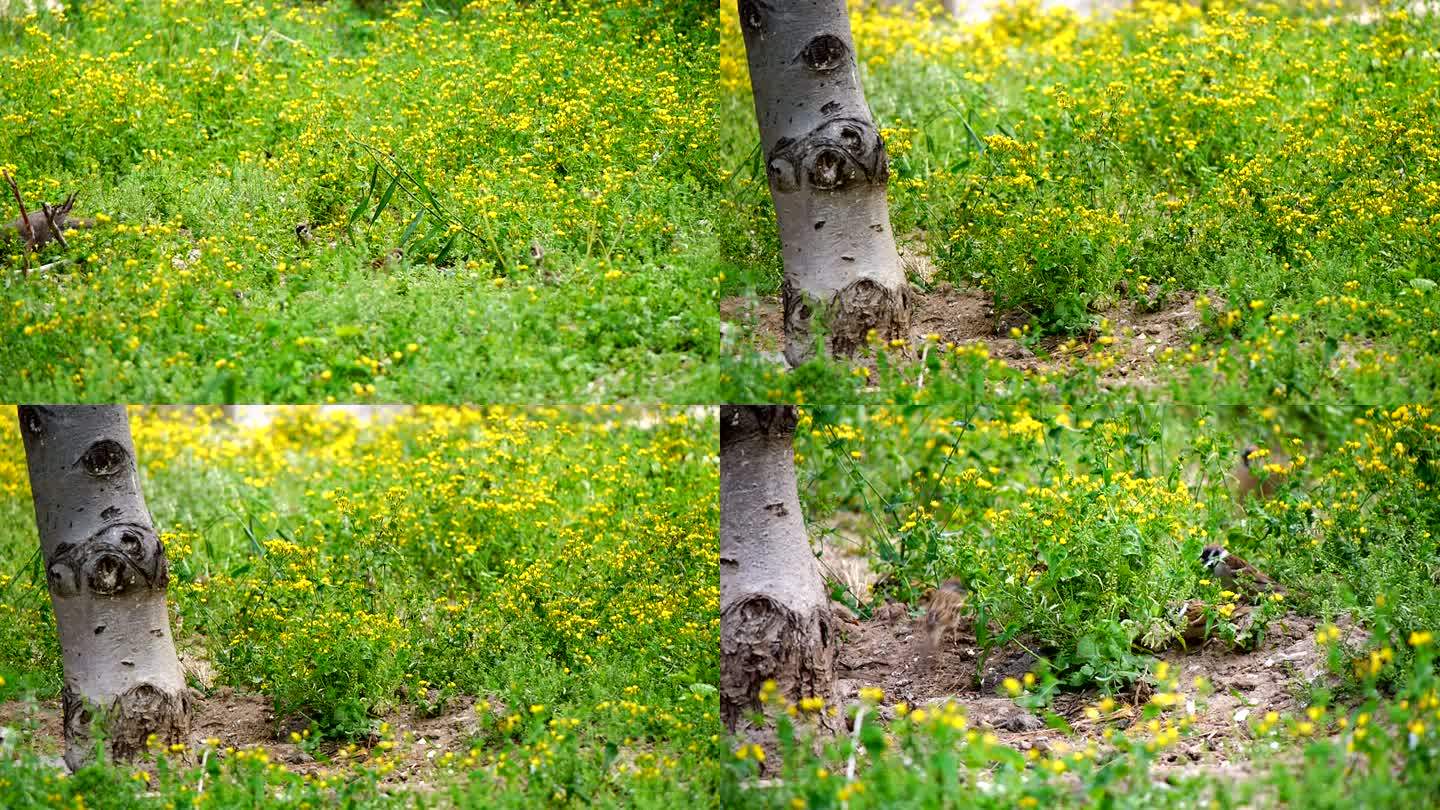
<point x="115" y="559"/>
<point x="836" y="154"/>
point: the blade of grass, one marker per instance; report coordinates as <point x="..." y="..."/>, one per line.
<point x="360" y="209"/>
<point x="445" y="251"/>
<point x="385" y="199"/>
<point x="410" y="229"/>
<point x="420" y="182"/>
<point x="18" y="571"/>
<point x="438" y="211"/>
<point x="748" y="161"/>
<point x="979" y="144"/>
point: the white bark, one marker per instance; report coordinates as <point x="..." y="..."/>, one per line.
<point x="827" y="168"/>
<point x="107" y="574"/>
<point x="775" y="620"/>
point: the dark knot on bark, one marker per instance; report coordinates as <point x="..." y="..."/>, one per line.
<point x="31" y="421"/>
<point x="832" y="157"/>
<point x="752" y="15"/>
<point x="104" y="458"/>
<point x="825" y="53"/>
<point x="741" y="422"/>
<point x="114" y="560"/>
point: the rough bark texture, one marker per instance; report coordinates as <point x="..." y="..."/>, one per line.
<point x="775" y="619"/>
<point x="107" y="574"/>
<point x="828" y="171"/>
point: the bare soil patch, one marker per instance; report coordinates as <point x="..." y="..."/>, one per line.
<point x="844" y="553"/>
<point x="243" y="720"/>
<point x="886" y="652"/>
<point x="966" y="315"/>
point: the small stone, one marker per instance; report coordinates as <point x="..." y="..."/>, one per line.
<point x="1021" y="722"/>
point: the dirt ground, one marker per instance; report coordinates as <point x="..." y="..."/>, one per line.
<point x="244" y="720"/>
<point x="965" y="316"/>
<point x="886" y="652"/>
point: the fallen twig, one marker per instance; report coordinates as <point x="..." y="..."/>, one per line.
<point x="854" y="745"/>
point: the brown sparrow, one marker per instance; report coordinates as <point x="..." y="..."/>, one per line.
<point x="1235" y="574"/>
<point x="1194" y="625"/>
<point x="943" y="613"/>
<point x="39" y="228"/>
<point x="1248" y="482"/>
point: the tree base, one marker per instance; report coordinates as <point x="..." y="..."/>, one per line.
<point x="862" y="308"/>
<point x="128" y="723"/>
<point x="762" y="640"/>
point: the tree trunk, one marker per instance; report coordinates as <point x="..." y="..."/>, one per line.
<point x="107" y="574"/>
<point x="775" y="620"/>
<point x="828" y="171"/>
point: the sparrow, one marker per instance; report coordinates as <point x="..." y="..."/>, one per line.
<point x="1195" y="623"/>
<point x="843" y="613"/>
<point x="39" y="228"/>
<point x="1235" y="574"/>
<point x="1247" y="480"/>
<point x="1192" y="622"/>
<point x="943" y="613"/>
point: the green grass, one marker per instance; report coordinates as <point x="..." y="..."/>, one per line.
<point x="555" y="564"/>
<point x="1377" y="754"/>
<point x="205" y="133"/>
<point x="1075" y="513"/>
<point x="1065" y="166"/>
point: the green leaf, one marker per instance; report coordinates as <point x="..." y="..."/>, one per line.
<point x="437" y="228"/>
<point x="360" y="209"/>
<point x="445" y="251"/>
<point x="1058" y="723"/>
<point x="410" y="229"/>
<point x="385" y="199"/>
<point x="872" y="737"/>
<point x="428" y="193"/>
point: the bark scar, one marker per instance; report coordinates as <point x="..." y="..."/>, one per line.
<point x="752" y="14"/>
<point x="833" y="156"/>
<point x="763" y="639"/>
<point x="824" y="53"/>
<point x="741" y="422"/>
<point x="114" y="560"/>
<point x="861" y="307"/>
<point x="132" y="716"/>
<point x="104" y="458"/>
